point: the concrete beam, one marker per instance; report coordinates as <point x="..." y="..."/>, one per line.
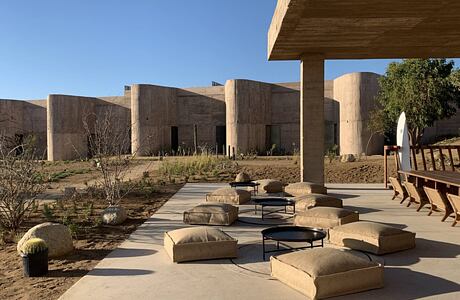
<point x="312" y="119"/>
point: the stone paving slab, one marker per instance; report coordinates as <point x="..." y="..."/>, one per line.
<point x="140" y="268"/>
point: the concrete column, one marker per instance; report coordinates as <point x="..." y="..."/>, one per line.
<point x="312" y="119"/>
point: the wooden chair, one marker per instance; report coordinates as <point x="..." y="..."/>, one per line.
<point x="455" y="202"/>
<point x="398" y="189"/>
<point x="416" y="195"/>
<point x="438" y="201"/>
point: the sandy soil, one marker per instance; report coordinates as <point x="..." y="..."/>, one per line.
<point x="92" y="244"/>
<point x="366" y="170"/>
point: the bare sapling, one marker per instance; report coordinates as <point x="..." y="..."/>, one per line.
<point x="21" y="181"/>
<point x="109" y="147"/>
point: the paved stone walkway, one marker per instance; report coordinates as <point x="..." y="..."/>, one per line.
<point x="141" y="269"/>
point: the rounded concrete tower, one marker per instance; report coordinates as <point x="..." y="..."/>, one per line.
<point x="356" y="93"/>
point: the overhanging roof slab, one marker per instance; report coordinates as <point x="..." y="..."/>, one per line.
<point x="364" y="29"/>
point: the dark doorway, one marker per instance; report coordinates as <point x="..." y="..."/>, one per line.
<point x="174" y="138"/>
<point x="220" y="139"/>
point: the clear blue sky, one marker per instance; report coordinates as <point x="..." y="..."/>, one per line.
<point x="95" y="47"/>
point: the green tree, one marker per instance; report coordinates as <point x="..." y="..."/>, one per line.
<point x="427" y="90"/>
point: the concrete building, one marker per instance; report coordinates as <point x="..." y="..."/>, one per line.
<point x="244" y="115"/>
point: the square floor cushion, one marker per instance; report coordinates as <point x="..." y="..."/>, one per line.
<point x="372" y="237"/>
<point x="270" y="186"/>
<point x="229" y="195"/>
<point x="306" y="202"/>
<point x="326" y="272"/>
<point x="211" y="213"/>
<point x="325" y="217"/>
<point x="199" y="243"/>
<point x="304" y="188"/>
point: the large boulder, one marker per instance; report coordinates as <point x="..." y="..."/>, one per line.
<point x="56" y="236"/>
<point x="114" y="215"/>
<point x="242" y="177"/>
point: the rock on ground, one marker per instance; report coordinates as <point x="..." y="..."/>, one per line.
<point x="114" y="215"/>
<point x="57" y="237"/>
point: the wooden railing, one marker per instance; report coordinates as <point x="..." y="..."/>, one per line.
<point x="446" y="157"/>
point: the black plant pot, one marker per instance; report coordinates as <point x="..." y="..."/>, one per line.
<point x="35" y="264"/>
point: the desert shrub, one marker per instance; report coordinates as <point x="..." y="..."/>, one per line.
<point x="195" y="165"/>
<point x="21" y="180"/>
<point x="109" y="143"/>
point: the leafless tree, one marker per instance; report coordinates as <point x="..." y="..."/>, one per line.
<point x="109" y="146"/>
<point x="21" y="180"/>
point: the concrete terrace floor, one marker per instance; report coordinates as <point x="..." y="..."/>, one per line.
<point x="141" y="269"/>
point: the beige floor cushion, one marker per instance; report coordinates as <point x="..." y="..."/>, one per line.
<point x="325" y="217"/>
<point x="242" y="177"/>
<point x="306" y="202"/>
<point x="372" y="237"/>
<point x="229" y="195"/>
<point x="304" y="188"/>
<point x="270" y="186"/>
<point x="211" y="213"/>
<point x="199" y="243"/>
<point x="326" y="272"/>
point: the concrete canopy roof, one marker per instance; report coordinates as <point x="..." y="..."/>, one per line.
<point x="362" y="29"/>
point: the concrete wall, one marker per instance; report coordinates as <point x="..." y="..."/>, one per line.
<point x="356" y="93"/>
<point x="252" y="106"/>
<point x="447" y="127"/>
<point x="255" y="115"/>
<point x="66" y="135"/>
<point x="25" y="118"/>
<point x="204" y="107"/>
<point x="248" y="109"/>
<point x="155" y="109"/>
<point x="153" y="112"/>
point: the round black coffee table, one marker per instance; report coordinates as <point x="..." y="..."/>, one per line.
<point x="273" y="202"/>
<point x="292" y="234"/>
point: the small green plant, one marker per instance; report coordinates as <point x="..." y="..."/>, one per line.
<point x="73" y="227"/>
<point x="48" y="212"/>
<point x="53" y="177"/>
<point x="88" y="210"/>
<point x="33" y="246"/>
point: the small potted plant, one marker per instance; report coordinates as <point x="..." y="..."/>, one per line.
<point x="34" y="255"/>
